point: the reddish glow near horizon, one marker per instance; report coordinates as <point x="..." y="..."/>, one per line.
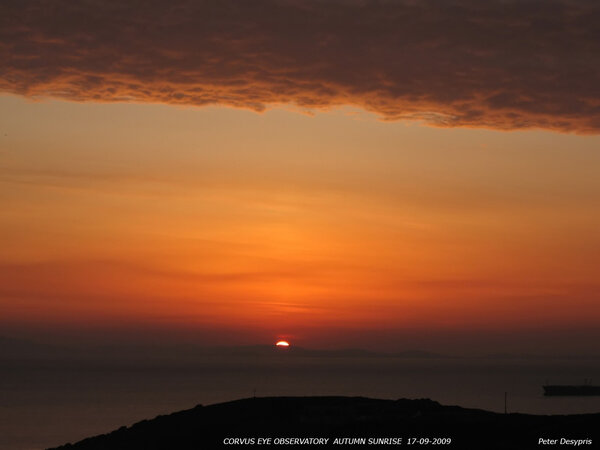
<point x="282" y="344"/>
<point x="388" y="245"/>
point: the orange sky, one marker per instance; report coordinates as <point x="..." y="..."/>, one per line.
<point x="320" y="229"/>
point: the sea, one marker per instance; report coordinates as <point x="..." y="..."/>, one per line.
<point x="46" y="403"/>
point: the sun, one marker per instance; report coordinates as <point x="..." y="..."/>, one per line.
<point x="282" y="344"/>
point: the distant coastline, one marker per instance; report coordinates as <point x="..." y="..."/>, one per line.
<point x="11" y="348"/>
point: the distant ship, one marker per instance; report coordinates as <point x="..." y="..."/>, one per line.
<point x="581" y="390"/>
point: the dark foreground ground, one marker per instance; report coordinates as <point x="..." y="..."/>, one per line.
<point x="406" y="424"/>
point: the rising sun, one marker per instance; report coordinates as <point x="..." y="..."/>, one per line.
<point x="282" y="344"/>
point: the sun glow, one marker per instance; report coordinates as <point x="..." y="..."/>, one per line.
<point x="282" y="344"/>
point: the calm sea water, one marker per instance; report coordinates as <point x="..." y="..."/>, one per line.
<point x="49" y="403"/>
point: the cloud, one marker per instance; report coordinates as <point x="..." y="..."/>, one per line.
<point x="499" y="64"/>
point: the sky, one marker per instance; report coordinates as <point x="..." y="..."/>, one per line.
<point x="384" y="175"/>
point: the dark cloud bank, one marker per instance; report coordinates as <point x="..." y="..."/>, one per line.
<point x="496" y="63"/>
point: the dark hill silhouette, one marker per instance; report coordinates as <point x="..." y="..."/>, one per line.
<point x="205" y="427"/>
